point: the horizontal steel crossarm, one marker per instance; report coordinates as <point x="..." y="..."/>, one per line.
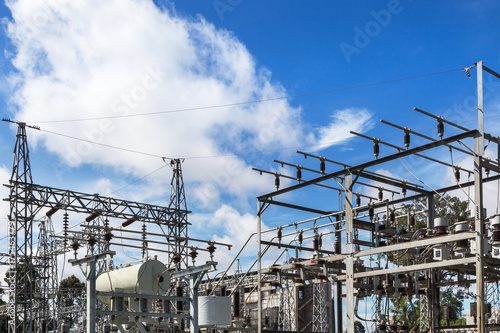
<point x="143" y="314"/>
<point x="137" y="295"/>
<point x="413" y="268"/>
<point x="291" y="206"/>
<point x="349" y="166"/>
<point x="415" y="244"/>
<point x="43" y="196"/>
<point x="363" y="166"/>
<point x="290" y="246"/>
<point x="392" y="183"/>
<point x="209" y="266"/>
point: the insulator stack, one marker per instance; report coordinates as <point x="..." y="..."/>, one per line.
<point x="371" y="212"/>
<point x="376" y="148"/>
<point x="441" y="224"/>
<point x="403" y="191"/>
<point x="457" y="174"/>
<point x="107" y="234"/>
<point x="316" y="243"/>
<point x="407" y="139"/>
<point x="392" y="216"/>
<point x="91" y="241"/>
<point x="412" y="220"/>
<point x="75" y="245"/>
<point x="459" y="228"/>
<point x="211" y="248"/>
<point x="301" y="237"/>
<point x="179" y="292"/>
<point x="322" y="166"/>
<point x="320" y="241"/>
<point x="496" y="230"/>
<point x="176" y="258"/>
<point x="337" y="247"/>
<point x="380" y="194"/>
<point x="144" y="241"/>
<point x="358" y="200"/>
<point x="65" y="228"/>
<point x="299" y="174"/>
<point x="440" y="128"/>
<point x="236" y="304"/>
<point x="280" y="234"/>
<point x="193" y="253"/>
<point x="277" y="182"/>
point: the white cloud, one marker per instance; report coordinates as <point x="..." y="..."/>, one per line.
<point x="342" y="122"/>
<point x="85" y="59"/>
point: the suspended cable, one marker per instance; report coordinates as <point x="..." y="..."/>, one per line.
<point x="442" y="197"/>
<point x="248" y="102"/>
<point x="457" y="178"/>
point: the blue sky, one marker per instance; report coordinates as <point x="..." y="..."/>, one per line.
<point x="70" y="60"/>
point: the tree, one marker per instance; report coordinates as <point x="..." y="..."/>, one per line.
<point x="358" y="327"/>
<point x="455" y="211"/>
<point x="3" y="318"/>
<point x="70" y="296"/>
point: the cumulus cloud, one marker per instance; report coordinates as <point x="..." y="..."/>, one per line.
<point x="152" y="81"/>
<point x="88" y="59"/>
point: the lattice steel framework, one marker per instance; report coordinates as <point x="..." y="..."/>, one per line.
<point x="178" y="224"/>
<point x="27" y="199"/>
<point x="46" y="282"/>
<point x="424" y="313"/>
<point x="492" y="294"/>
<point x="287" y="317"/>
<point x="320" y="308"/>
<point x="21" y="215"/>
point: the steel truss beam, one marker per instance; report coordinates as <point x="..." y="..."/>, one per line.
<point x="79" y="202"/>
<point x="366" y="165"/>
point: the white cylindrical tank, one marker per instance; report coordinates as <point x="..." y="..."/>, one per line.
<point x="441" y="222"/>
<point x="151" y="277"/>
<point x="214" y="311"/>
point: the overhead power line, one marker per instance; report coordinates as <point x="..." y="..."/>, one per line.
<point x="246" y="102"/>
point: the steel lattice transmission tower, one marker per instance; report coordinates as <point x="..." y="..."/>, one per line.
<point x="21" y="277"/>
<point x="178" y="224"/>
<point x="46" y="282"/>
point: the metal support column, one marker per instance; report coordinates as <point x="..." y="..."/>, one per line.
<point x="349" y="228"/>
<point x="91" y="262"/>
<point x="340" y="313"/>
<point x="193" y="294"/>
<point x="259" y="267"/>
<point x="478" y="200"/>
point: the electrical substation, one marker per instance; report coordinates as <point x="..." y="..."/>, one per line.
<point x="376" y="251"/>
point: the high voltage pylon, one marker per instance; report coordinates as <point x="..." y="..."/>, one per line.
<point x="46" y="282"/>
<point x="32" y="275"/>
<point x="178" y="225"/>
<point x="21" y="275"/>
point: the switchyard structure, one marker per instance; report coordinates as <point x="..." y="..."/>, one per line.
<point x="389" y="250"/>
